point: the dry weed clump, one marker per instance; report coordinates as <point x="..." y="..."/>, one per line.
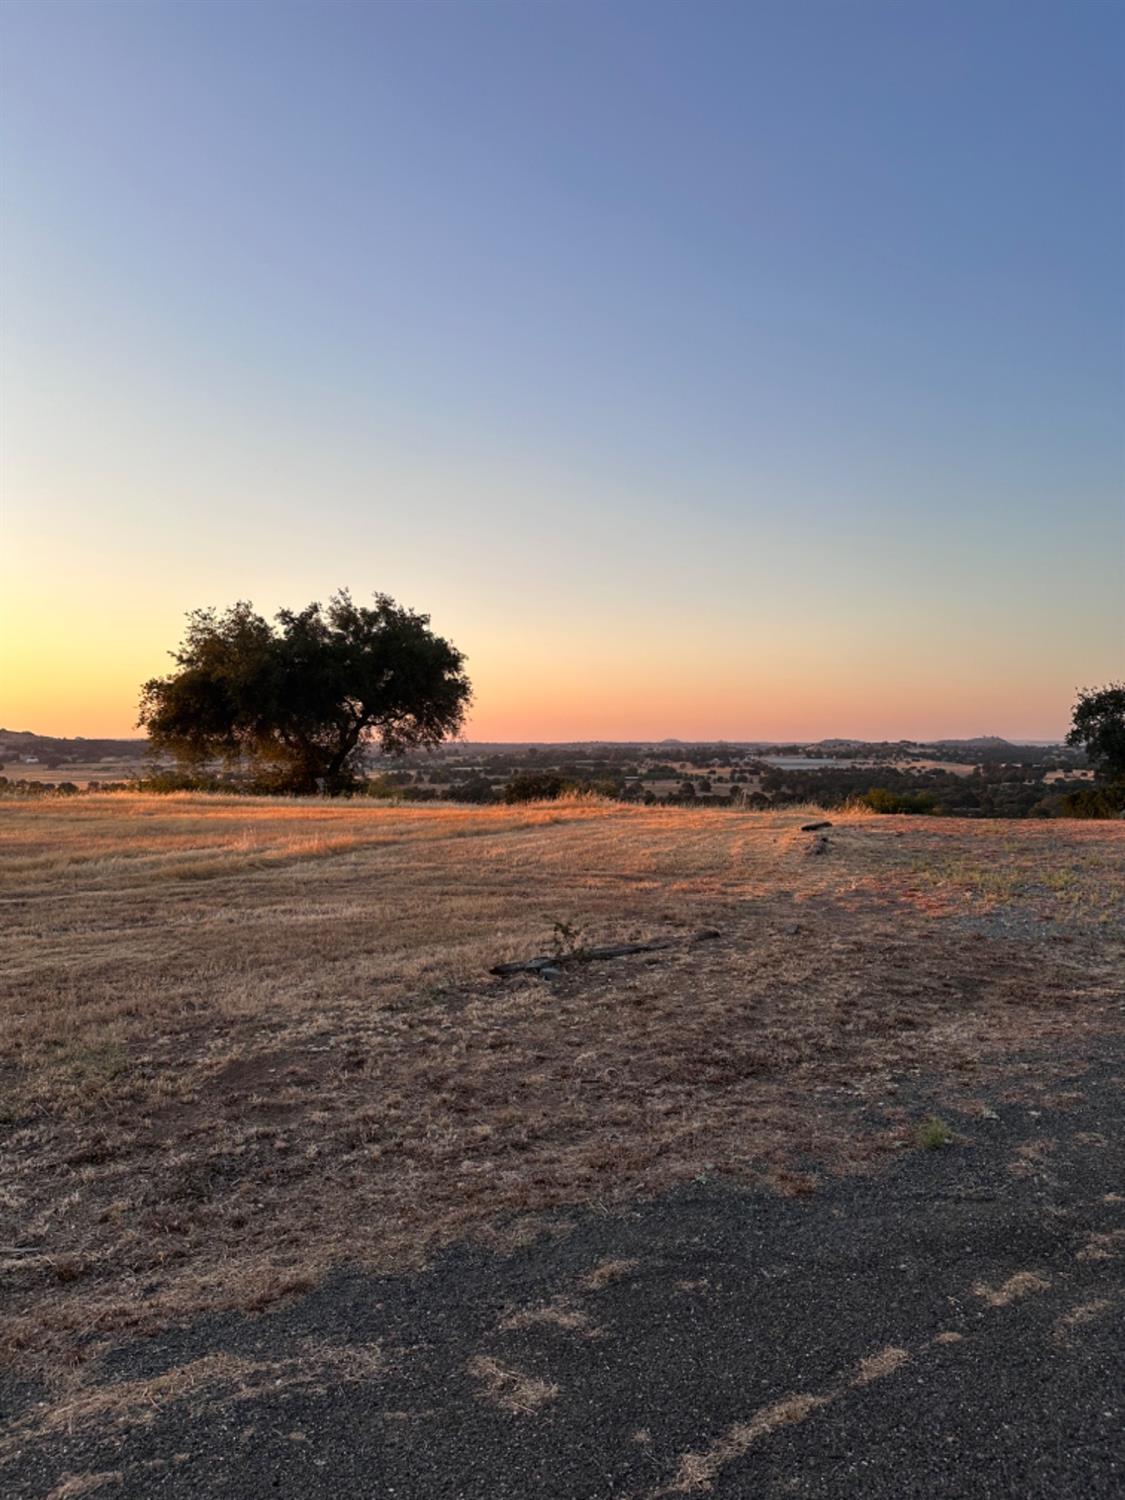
<point x="1022" y="1284"/>
<point x="511" y="1390"/>
<point x="211" y="1381"/>
<point x="698" y="1471"/>
<point x="244" y="1041"/>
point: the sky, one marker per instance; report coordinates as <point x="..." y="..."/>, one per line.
<point x="714" y="370"/>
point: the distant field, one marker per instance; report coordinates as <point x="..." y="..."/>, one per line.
<point x="245" y="1040"/>
<point x="81" y="773"/>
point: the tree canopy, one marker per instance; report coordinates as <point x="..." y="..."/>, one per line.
<point x="295" y="702"/>
<point x="1099" y="727"/>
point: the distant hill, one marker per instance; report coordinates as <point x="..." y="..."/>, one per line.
<point x="978" y="742"/>
<point x="15" y="744"/>
<point x="19" y="745"/>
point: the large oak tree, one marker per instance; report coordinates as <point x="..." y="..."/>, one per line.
<point x="1098" y="726"/>
<point x="294" y="703"/>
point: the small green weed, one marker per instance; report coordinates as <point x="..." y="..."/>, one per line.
<point x="933" y="1133"/>
<point x="565" y="939"/>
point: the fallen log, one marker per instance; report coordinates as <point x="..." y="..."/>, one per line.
<point x="814" y="827"/>
<point x="555" y="961"/>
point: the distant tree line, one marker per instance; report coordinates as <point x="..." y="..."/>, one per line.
<point x="301" y="705"/>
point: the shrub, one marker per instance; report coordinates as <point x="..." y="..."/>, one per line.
<point x="178" y="781"/>
<point x="476" y="789"/>
<point x="1094" y="802"/>
<point x="535" y="786"/>
<point x="934" y="1133"/>
<point x="880" y="800"/>
<point x="381" y="786"/>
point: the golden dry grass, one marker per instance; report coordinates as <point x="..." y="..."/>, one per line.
<point x="213" y="1381"/>
<point x="512" y="1390"/>
<point x="246" y="1040"/>
<point x="698" y="1471"/>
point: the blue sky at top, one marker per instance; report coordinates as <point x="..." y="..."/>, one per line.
<point x="828" y="292"/>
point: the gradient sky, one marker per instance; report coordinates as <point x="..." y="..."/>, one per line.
<point x="740" y="370"/>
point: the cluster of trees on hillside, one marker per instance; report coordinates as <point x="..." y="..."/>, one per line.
<point x="51" y="752"/>
<point x="987" y="792"/>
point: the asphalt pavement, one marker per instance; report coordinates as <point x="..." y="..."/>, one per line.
<point x="950" y="1326"/>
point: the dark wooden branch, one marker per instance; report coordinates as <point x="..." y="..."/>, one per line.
<point x="593" y="955"/>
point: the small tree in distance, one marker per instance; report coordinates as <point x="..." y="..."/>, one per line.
<point x="295" y="702"/>
<point x="1098" y="726"/>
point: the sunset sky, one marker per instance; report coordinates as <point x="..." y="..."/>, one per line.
<point x="707" y="370"/>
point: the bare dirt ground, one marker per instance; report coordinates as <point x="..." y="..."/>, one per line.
<point x="246" y="1043"/>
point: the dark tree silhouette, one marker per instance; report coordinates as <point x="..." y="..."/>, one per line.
<point x="1098" y="725"/>
<point x="534" y="786"/>
<point x="295" y="702"/>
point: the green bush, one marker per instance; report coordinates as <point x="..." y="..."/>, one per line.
<point x="476" y="789"/>
<point x="178" y="781"/>
<point x="535" y="786"/>
<point x="933" y="1133"/>
<point x="381" y="786"/>
<point x="1094" y="802"/>
<point x="880" y="800"/>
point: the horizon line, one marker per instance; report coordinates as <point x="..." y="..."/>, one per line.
<point x="651" y="741"/>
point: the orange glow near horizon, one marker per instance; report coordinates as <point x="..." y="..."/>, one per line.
<point x="67" y="684"/>
<point x="630" y="639"/>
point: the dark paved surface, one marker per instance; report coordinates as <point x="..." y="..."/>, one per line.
<point x="733" y="1303"/>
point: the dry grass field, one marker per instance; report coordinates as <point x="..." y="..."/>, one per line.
<point x="244" y="1041"/>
